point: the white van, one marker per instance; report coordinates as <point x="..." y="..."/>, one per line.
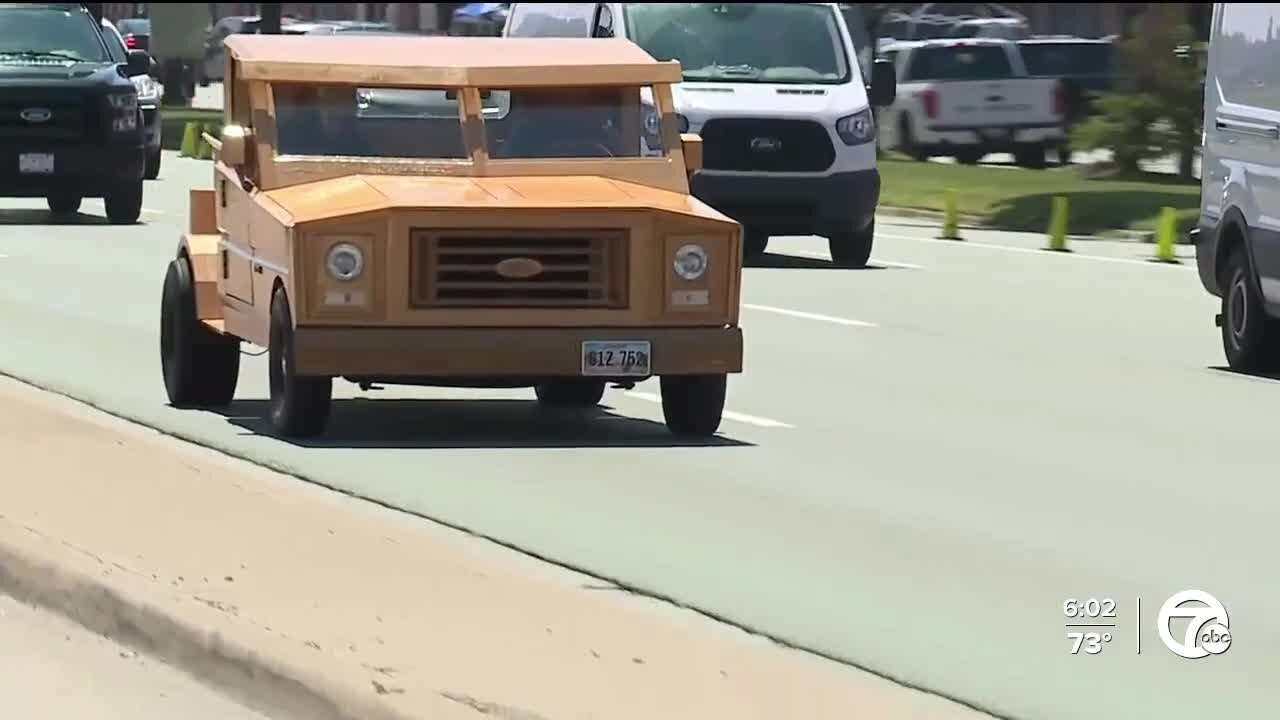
<point x="1237" y="237"/>
<point x="780" y="97"/>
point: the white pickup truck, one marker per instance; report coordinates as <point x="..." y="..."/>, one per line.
<point x="971" y="97"/>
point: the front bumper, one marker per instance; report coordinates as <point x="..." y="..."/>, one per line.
<point x="791" y="205"/>
<point x="85" y="169"/>
<point x="506" y="354"/>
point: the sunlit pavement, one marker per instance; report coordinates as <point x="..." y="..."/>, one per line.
<point x="922" y="460"/>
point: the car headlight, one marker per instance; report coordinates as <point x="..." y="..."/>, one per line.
<point x="148" y="88"/>
<point x="857" y="128"/>
<point x="345" y="262"/>
<point x="124" y="109"/>
<point x="691" y="262"/>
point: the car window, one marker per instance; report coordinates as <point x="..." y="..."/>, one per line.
<point x="115" y="43"/>
<point x="1059" y="59"/>
<point x="581" y="122"/>
<point x="136" y="26"/>
<point x="65" y="33"/>
<point x="339" y="120"/>
<point x="973" y="62"/>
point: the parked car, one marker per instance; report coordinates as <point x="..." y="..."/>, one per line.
<point x="1087" y="63"/>
<point x="1237" y="237"/>
<point x="136" y="33"/>
<point x="149" y="94"/>
<point x="970" y="98"/>
<point x="778" y="94"/>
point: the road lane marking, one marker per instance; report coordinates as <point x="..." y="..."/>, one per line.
<point x="1037" y="251"/>
<point x="809" y="315"/>
<point x="728" y="414"/>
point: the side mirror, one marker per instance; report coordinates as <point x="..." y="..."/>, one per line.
<point x="235" y="145"/>
<point x="138" y="63"/>
<point x="691" y="145"/>
<point x="884" y="83"/>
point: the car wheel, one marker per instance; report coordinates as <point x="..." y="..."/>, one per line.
<point x="201" y="367"/>
<point x="573" y="393"/>
<point x="153" y="164"/>
<point x="852" y="249"/>
<point x="299" y="405"/>
<point x="124" y="206"/>
<point x="969" y="157"/>
<point x="1032" y="157"/>
<point x="692" y="405"/>
<point x="907" y="142"/>
<point x="62" y="204"/>
<point x="1250" y="337"/>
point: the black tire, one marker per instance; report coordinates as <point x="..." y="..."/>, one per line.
<point x="692" y="405"/>
<point x="907" y="141"/>
<point x="1032" y="157"/>
<point x="754" y="245"/>
<point x="571" y="393"/>
<point x="299" y="405"/>
<point x="969" y="157"/>
<point x="124" y="205"/>
<point x="200" y="366"/>
<point x="153" y="164"/>
<point x="852" y="249"/>
<point x="1250" y="338"/>
<point x="63" y="204"/>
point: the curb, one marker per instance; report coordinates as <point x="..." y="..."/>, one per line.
<point x="267" y="684"/>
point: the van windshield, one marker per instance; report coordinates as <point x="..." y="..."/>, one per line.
<point x="743" y="42"/>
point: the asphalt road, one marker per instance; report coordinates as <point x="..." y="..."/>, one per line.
<point x="52" y="669"/>
<point x="921" y="462"/>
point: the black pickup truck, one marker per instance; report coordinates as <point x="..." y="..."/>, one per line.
<point x="70" y="126"/>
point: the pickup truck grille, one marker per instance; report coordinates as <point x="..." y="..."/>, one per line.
<point x="70" y="118"/>
<point x="766" y="145"/>
<point x="514" y="269"/>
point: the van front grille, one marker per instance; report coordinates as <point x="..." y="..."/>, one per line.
<point x="517" y="269"/>
<point x="766" y="145"/>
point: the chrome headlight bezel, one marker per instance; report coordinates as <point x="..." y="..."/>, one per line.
<point x="344" y="248"/>
<point x="691" y="262"/>
<point x="148" y="88"/>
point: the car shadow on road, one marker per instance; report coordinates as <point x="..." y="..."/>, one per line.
<point x="776" y="261"/>
<point x="36" y="217"/>
<point x="360" y="423"/>
<point x="1270" y="377"/>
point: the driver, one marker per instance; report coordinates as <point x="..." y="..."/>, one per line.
<point x="565" y="123"/>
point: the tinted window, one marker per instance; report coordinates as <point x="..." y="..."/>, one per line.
<point x="115" y="44"/>
<point x="604" y="22"/>
<point x="68" y="33"/>
<point x="1059" y="59"/>
<point x="743" y="42"/>
<point x="980" y="62"/>
<point x="584" y="122"/>
<point x="1247" y="48"/>
<point x="371" y="122"/>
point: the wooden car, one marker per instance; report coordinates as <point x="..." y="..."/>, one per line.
<point x="454" y="212"/>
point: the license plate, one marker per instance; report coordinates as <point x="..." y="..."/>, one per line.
<point x="615" y="359"/>
<point x="38" y="163"/>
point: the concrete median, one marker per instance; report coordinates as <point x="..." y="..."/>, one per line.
<point x="305" y="603"/>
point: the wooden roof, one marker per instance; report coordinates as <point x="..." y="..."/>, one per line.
<point x="428" y="61"/>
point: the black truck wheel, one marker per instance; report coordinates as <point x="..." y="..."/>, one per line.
<point x="692" y="405"/>
<point x="852" y="249"/>
<point x="299" y="405"/>
<point x="124" y="205"/>
<point x="1250" y="338"/>
<point x="570" y="393"/>
<point x="200" y="366"/>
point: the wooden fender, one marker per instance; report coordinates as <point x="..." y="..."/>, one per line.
<point x="200" y="245"/>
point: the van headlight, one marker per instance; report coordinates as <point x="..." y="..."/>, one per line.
<point x="345" y="262"/>
<point x="691" y="262"/>
<point x="857" y="128"/>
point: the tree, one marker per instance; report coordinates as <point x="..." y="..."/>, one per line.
<point x="1157" y="108"/>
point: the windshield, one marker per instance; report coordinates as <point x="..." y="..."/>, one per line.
<point x="1062" y="59"/>
<point x="587" y="122"/>
<point x="743" y="42"/>
<point x="115" y="43"/>
<point x="45" y="32"/>
<point x="367" y="122"/>
<point x="980" y="62"/>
